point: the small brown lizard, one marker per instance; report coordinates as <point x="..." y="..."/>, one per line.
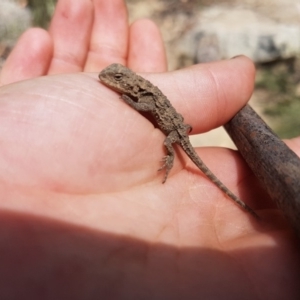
<point x="143" y="96"/>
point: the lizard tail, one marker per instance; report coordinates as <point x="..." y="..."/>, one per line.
<point x="189" y="150"/>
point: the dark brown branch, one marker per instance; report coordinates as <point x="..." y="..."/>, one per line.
<point x="276" y="166"/>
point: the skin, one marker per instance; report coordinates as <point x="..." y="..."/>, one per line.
<point x="84" y="214"/>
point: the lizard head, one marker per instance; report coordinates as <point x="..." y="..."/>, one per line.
<point x="117" y="77"/>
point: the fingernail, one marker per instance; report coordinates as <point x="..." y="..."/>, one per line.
<point x="237" y="56"/>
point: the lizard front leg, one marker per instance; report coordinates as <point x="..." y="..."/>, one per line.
<point x="171" y="139"/>
<point x="145" y="105"/>
<point x="139" y="106"/>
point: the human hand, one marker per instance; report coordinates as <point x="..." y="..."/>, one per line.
<point x="84" y="212"/>
<point x="82" y="201"/>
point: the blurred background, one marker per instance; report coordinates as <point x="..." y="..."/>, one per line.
<point x="199" y="31"/>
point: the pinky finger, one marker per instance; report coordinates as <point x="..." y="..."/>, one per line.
<point x="30" y="57"/>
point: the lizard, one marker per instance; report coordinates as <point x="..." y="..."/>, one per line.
<point x="143" y="96"/>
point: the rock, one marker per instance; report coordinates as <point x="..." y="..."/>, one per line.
<point x="13" y="21"/>
<point x="221" y="33"/>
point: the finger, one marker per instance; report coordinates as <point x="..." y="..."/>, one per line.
<point x="30" y="57"/>
<point x="208" y="95"/>
<point x="70" y="30"/>
<point x="109" y="35"/>
<point x="146" y="48"/>
<point x="294" y="144"/>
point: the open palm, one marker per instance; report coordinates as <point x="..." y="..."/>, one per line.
<point x="84" y="213"/>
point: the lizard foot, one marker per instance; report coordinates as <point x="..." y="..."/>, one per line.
<point x="168" y="164"/>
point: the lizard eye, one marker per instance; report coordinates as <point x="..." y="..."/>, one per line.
<point x="118" y="76"/>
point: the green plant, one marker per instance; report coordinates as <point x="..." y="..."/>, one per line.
<point x="42" y="11"/>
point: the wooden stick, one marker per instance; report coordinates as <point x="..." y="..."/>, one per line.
<point x="276" y="166"/>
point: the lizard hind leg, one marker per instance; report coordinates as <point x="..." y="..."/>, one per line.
<point x="169" y="158"/>
<point x="168" y="164"/>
